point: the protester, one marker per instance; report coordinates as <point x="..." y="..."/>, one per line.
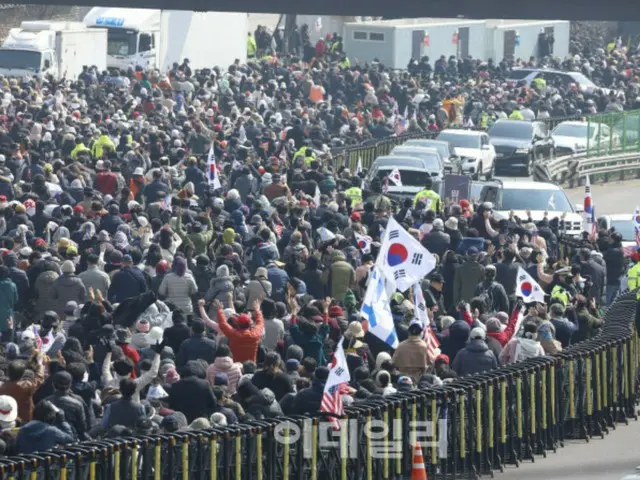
<point x="139" y="294"/>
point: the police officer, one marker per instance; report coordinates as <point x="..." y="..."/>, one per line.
<point x="354" y="193"/>
<point x="562" y="291"/>
<point x="427" y="196"/>
<point x="633" y="276"/>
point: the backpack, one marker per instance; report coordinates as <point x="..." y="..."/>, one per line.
<point x="487" y="299"/>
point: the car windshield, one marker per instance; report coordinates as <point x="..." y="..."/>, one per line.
<point x="443" y="148"/>
<point x="582" y="80"/>
<point x="460" y="141"/>
<point x="432" y="161"/>
<point x="525" y="199"/>
<point x="409" y="178"/>
<point x="576" y="130"/>
<point x="520" y="130"/>
<point x="626" y="228"/>
<point x="121" y="42"/>
<point x="20" y="60"/>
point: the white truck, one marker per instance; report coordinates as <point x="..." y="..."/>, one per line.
<point x="158" y="38"/>
<point x="60" y="49"/>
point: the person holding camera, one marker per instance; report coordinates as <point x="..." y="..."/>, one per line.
<point x="47" y="430"/>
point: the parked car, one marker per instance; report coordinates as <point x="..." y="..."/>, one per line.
<point x="430" y="156"/>
<point x="527" y="75"/>
<point x="519" y="145"/>
<point x="413" y="175"/>
<point x="537" y="197"/>
<point x="575" y="137"/>
<point x="476" y="153"/>
<point x="446" y="150"/>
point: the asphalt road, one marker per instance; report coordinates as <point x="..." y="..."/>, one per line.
<point x="612" y="458"/>
<point x="610" y="198"/>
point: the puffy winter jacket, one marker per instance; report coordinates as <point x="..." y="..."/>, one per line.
<point x="68" y="287"/>
<point x="474" y="358"/>
<point x="179" y="290"/>
<point x="38" y="436"/>
<point x="45" y="299"/>
<point x="221" y="288"/>
<point x="231" y="369"/>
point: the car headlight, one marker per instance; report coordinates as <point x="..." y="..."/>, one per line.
<point x="522" y="150"/>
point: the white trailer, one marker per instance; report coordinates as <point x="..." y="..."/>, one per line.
<point x="207" y="39"/>
<point x="157" y="38"/>
<point x="60" y="49"/>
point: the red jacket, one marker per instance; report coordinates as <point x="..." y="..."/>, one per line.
<point x="133" y="355"/>
<point x="107" y="183"/>
<point x="505" y="336"/>
<point x="243" y="343"/>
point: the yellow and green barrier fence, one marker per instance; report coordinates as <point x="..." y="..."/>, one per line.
<point x="472" y="426"/>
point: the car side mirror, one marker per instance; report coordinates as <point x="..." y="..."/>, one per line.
<point x="579" y="207"/>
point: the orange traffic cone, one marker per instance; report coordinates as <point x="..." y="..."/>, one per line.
<point x="418" y="472"/>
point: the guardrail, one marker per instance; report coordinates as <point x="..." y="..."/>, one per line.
<point x="474" y="425"/>
<point x="572" y="169"/>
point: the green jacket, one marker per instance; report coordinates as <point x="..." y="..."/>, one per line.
<point x="200" y="240"/>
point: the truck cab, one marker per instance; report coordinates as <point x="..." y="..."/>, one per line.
<point x="132" y="35"/>
<point x="29" y="51"/>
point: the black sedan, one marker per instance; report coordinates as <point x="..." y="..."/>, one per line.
<point x="519" y="145"/>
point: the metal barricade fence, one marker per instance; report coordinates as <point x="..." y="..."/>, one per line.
<point x="472" y="426"/>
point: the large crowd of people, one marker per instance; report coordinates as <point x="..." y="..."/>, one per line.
<point x="137" y="297"/>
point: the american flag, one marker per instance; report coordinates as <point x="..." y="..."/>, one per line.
<point x="401" y="122"/>
<point x="332" y="396"/>
<point x="278" y="229"/>
<point x="433" y="345"/>
<point x="628" y="251"/>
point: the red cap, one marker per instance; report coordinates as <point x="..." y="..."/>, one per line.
<point x="78" y="209"/>
<point x="442" y="358"/>
<point x="355" y="216"/>
<point x="304" y="203"/>
<point x="243" y="320"/>
<point x="3" y="198"/>
<point x="336" y="311"/>
<point x="39" y="241"/>
<point x="136" y="115"/>
<point x="464" y="203"/>
<point x="261" y="170"/>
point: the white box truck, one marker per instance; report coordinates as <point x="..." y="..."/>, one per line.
<point x="157" y="38"/>
<point x="60" y="49"/>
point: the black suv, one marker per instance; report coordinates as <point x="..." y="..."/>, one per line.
<point x="519" y="144"/>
